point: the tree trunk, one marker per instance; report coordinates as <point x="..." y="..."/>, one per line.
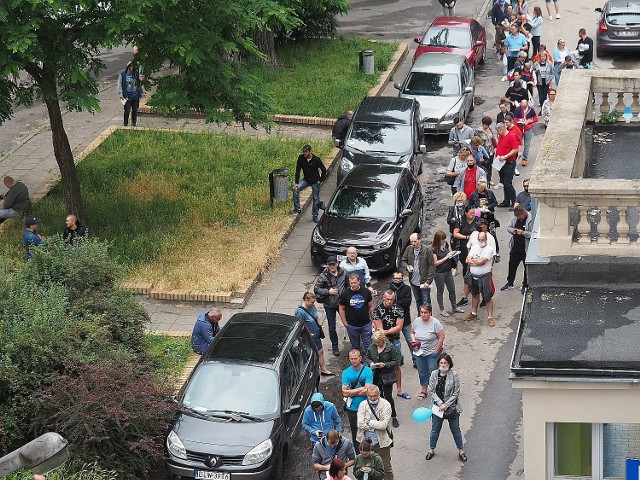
<point x="265" y="42"/>
<point x="64" y="158"/>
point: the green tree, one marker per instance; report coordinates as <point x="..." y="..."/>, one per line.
<point x="59" y="43"/>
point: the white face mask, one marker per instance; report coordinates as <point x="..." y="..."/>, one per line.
<point x="374" y="402"/>
<point x="444" y="369"/>
<point x="482" y="244"/>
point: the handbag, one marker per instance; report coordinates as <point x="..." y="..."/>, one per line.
<point x="388" y="378"/>
<point x="449" y="180"/>
<point x="389" y="432"/>
<point x="320" y="329"/>
<point x="450" y="412"/>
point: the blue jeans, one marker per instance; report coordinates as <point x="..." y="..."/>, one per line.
<point x="7" y="212"/>
<point x="316" y="196"/>
<point x="454" y="425"/>
<point x="406" y="331"/>
<point x="526" y="139"/>
<point x="422" y="296"/>
<point x="331" y="320"/>
<point x="356" y="334"/>
<point x="426" y="364"/>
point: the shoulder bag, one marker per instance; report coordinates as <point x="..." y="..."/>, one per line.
<point x="353" y="385"/>
<point x="389" y="432"/>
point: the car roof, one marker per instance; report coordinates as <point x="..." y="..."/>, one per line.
<point x="452" y="22"/>
<point x="255" y="337"/>
<point x="619" y="6"/>
<point x="384" y="110"/>
<point x="437" y="61"/>
<point x="373" y="176"/>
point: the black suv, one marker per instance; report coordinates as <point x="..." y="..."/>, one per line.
<point x="242" y="406"/>
<point x="375" y="209"/>
<point x="384" y="130"/>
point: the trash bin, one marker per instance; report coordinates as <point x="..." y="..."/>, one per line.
<point x="367" y="62"/>
<point x="279" y="185"/>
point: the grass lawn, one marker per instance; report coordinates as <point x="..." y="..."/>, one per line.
<point x="168" y="354"/>
<point x="320" y="77"/>
<point x="182" y="210"/>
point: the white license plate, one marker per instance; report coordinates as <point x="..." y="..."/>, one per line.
<point x="429" y="125"/>
<point x="628" y="33"/>
<point x="211" y="475"/>
<point x="341" y="257"/>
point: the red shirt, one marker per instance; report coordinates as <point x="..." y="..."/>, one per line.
<point x="470" y="183"/>
<point x="517" y="132"/>
<point x="506" y="144"/>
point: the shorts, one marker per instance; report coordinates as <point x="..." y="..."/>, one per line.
<point x="549" y="1"/>
<point x="398" y="346"/>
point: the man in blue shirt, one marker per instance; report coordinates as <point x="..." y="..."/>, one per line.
<point x="207" y="326"/>
<point x="130" y="90"/>
<point x="355" y="381"/>
<point x="29" y="236"/>
<point x="515" y="42"/>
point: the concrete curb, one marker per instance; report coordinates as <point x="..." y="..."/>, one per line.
<point x="376" y="91"/>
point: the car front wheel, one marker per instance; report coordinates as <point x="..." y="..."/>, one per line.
<point x="278" y="468"/>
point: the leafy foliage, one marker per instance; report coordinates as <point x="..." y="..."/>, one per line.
<point x="317" y="18"/>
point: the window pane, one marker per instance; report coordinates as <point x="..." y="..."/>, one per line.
<point x="620" y="440"/>
<point x="572" y="449"/>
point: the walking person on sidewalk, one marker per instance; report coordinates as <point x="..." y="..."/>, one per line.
<point x="480" y="262"/>
<point x="130" y="90"/>
<point x="314" y="173"/>
<point x="520" y="228"/>
<point x="417" y="260"/>
<point x="328" y="287"/>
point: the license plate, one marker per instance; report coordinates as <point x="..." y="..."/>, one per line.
<point x="628" y="33"/>
<point x="429" y="125"/>
<point x="341" y="257"/>
<point x="211" y="475"/>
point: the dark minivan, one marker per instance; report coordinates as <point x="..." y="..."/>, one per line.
<point x="384" y="130"/>
<point x="375" y="209"/>
<point x="242" y="406"/>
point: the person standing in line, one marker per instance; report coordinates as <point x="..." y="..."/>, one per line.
<point x="374" y="423"/>
<point x="384" y="360"/>
<point x="355" y="264"/>
<point x="444" y="261"/>
<point x="314" y="173"/>
<point x="457" y="166"/>
<point x="427" y="337"/>
<point x="444" y="387"/>
<point x="16" y="200"/>
<point x="130" y="90"/>
<point x="545" y="74"/>
<point x="524" y="197"/>
<point x="585" y="48"/>
<point x="507" y="152"/>
<point x="547" y="108"/>
<point x="328" y="287"/>
<point x="369" y="465"/>
<point x="557" y="7"/>
<point x="320" y="417"/>
<point x="515" y="43"/>
<point x="337" y="470"/>
<point x="467" y="182"/>
<point x="355" y="380"/>
<point x="459" y="135"/>
<point x="525" y="117"/>
<point x="480" y="262"/>
<point x="402" y="292"/>
<point x="332" y="446"/>
<point x="461" y="233"/>
<point x="520" y="228"/>
<point x="536" y="21"/>
<point x="417" y="260"/>
<point x="356" y="312"/>
<point x="205" y="329"/>
<point x="448" y="8"/>
<point x="308" y="312"/>
<point x="489" y="140"/>
<point x="559" y="55"/>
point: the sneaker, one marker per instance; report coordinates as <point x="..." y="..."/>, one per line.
<point x="506" y="286"/>
<point x="558" y="16"/>
<point x="315" y="219"/>
<point x="503" y="79"/>
<point x="444" y="313"/>
<point x="458" y="310"/>
<point x="504" y="204"/>
<point x="498" y="258"/>
<point x="336" y="352"/>
<point x="491" y="322"/>
<point x="454" y="271"/>
<point x="462" y="301"/>
<point x="550" y="17"/>
<point x="295" y="210"/>
<point x="524" y="162"/>
<point x="471" y="316"/>
<point x="517" y="173"/>
<point x="498" y="186"/>
<point x="395" y="422"/>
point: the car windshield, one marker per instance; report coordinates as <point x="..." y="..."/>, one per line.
<point x="239" y="388"/>
<point x="626" y="19"/>
<point x="447" y="37"/>
<point x="432" y="84"/>
<point x="380" y="137"/>
<point x="363" y="202"/>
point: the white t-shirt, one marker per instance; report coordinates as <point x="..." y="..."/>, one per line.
<point x="457" y="164"/>
<point x="427" y="335"/>
<point x="479" y="252"/>
<point x="473" y="240"/>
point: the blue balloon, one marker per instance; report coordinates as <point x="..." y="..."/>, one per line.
<point x="422" y="414"/>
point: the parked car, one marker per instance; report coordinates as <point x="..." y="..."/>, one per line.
<point x="375" y="209"/>
<point x="242" y="405"/>
<point x="384" y="130"/>
<point x="444" y="85"/>
<point x="463" y="36"/>
<point x="618" y="27"/>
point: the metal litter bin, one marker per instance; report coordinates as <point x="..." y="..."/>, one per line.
<point x="367" y="62"/>
<point x="279" y="185"/>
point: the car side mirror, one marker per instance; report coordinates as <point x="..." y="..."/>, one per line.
<point x="407" y="212"/>
<point x="337" y="142"/>
<point x="397" y="86"/>
<point x="321" y="205"/>
<point x="293" y="409"/>
<point x="479" y="43"/>
<point x="468" y="90"/>
<point x="599" y="10"/>
<point x="417" y="39"/>
<point x="422" y="149"/>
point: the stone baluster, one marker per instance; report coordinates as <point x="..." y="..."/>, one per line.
<point x="620" y="106"/>
<point x="603" y="228"/>
<point x="605" y="106"/>
<point x="623" y="226"/>
<point x="584" y="227"/>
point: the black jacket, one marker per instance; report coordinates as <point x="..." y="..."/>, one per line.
<point x="325" y="281"/>
<point x="403" y="299"/>
<point x="313" y="169"/>
<point x="341" y="127"/>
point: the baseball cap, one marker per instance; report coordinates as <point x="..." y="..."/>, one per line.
<point x="332" y="259"/>
<point x="306" y="148"/>
<point x="30" y="222"/>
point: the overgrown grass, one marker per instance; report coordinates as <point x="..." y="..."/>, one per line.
<point x="320" y="77"/>
<point x="182" y="210"/>
<point x="168" y="354"/>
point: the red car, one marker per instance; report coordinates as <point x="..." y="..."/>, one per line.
<point x="462" y="36"/>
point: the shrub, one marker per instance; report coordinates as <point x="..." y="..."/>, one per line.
<point x="110" y="413"/>
<point x="70" y="472"/>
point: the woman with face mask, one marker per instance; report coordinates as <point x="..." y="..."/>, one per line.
<point x="444" y="260"/>
<point x="444" y="388"/>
